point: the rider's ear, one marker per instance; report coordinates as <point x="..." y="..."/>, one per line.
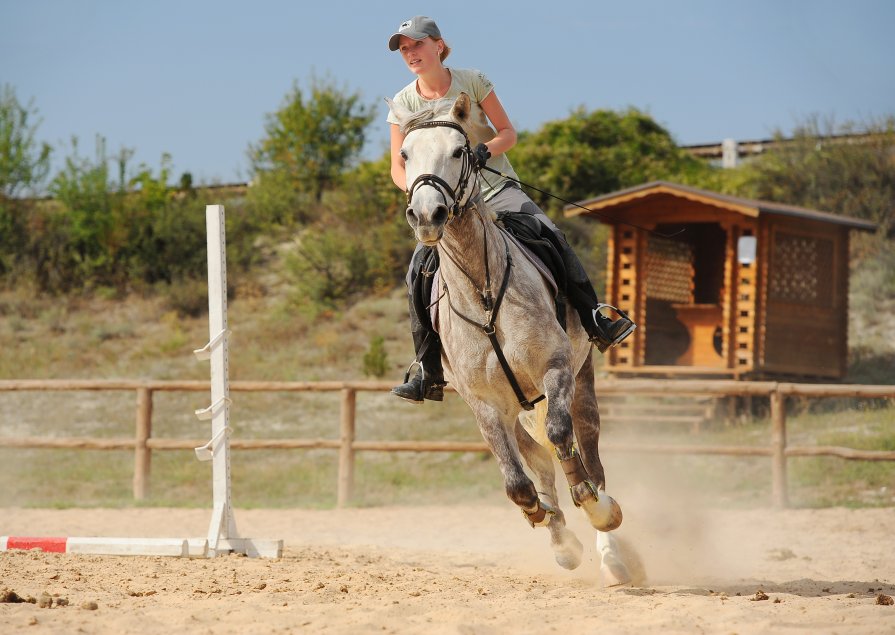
<point x="462" y="107"/>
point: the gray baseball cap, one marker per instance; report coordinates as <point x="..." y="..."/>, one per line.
<point x="416" y="28"/>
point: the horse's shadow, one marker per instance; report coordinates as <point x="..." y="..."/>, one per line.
<point x="803" y="587"/>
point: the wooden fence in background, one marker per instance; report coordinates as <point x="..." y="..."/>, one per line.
<point x="143" y="443"/>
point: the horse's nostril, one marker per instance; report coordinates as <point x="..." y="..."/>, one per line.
<point x="411" y="215"/>
<point x="440" y="215"/>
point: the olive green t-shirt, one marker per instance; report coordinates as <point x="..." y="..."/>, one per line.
<point x="477" y="86"/>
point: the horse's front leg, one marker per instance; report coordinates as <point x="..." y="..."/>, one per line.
<point x="567" y="549"/>
<point x="497" y="431"/>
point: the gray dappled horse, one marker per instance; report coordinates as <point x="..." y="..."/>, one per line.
<point x="502" y="344"/>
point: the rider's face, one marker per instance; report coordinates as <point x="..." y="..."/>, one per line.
<point x="420" y="55"/>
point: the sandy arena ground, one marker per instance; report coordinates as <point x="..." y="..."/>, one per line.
<point x="461" y="570"/>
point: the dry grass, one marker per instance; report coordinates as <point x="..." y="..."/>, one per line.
<point x="142" y="338"/>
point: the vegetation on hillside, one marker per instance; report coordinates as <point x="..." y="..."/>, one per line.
<point x="336" y="220"/>
<point x="315" y="232"/>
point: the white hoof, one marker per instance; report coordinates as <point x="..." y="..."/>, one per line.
<point x="613" y="571"/>
<point x="568" y="551"/>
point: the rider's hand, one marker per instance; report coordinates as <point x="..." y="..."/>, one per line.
<point x="480" y="156"/>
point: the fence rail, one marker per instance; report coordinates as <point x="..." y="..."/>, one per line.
<point x="143" y="443"/>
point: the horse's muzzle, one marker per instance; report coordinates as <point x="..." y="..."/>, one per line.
<point x="428" y="225"/>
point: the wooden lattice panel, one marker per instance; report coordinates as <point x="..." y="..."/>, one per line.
<point x="669" y="270"/>
<point x="802" y="270"/>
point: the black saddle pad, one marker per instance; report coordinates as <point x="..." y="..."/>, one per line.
<point x="540" y="239"/>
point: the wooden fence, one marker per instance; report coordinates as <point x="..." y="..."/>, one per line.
<point x="143" y="443"/>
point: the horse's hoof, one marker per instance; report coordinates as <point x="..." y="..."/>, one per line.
<point x="601" y="509"/>
<point x="568" y="552"/>
<point x="614" y="573"/>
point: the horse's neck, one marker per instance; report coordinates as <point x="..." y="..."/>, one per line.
<point x="464" y="245"/>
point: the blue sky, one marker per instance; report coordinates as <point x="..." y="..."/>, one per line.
<point x="195" y="78"/>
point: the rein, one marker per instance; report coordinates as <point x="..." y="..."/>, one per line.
<point x="490" y="304"/>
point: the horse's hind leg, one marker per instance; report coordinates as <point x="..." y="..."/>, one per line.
<point x="565" y="411"/>
<point x="567" y="549"/>
<point x="586" y="421"/>
<point x="562" y="403"/>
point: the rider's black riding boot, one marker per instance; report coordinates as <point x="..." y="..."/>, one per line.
<point x="428" y="376"/>
<point x="428" y="379"/>
<point x="601" y="330"/>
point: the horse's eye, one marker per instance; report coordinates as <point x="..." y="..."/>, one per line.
<point x="403" y="154"/>
<point x="458" y="152"/>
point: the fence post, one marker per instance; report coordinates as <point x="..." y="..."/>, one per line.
<point x="778" y="446"/>
<point x="142" y="454"/>
<point x="346" y="449"/>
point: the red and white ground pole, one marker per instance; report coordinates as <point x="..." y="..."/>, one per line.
<point x="222" y="536"/>
<point x="185" y="548"/>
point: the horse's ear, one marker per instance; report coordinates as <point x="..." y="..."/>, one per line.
<point x="400" y="112"/>
<point x="462" y="108"/>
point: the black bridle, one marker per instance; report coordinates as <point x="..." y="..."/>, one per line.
<point x="467" y="170"/>
<point x="490" y="304"/>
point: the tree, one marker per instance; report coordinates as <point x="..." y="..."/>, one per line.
<point x="24" y="163"/>
<point x="314" y="137"/>
<point x="842" y="169"/>
<point x="592" y="153"/>
<point x="361" y="243"/>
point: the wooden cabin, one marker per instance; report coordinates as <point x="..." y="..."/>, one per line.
<point x="725" y="286"/>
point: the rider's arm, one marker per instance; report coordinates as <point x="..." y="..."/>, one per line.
<point x="399" y="176"/>
<point x="506" y="134"/>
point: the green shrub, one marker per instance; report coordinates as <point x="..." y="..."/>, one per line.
<point x="376" y="359"/>
<point x="188" y="297"/>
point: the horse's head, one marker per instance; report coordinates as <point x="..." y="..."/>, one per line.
<point x="438" y="164"/>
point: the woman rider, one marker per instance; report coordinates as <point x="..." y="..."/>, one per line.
<point x="424" y="51"/>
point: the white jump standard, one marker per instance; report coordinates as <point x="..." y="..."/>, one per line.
<point x="222" y="536"/>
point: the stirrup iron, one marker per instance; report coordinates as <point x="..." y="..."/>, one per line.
<point x="612" y="342"/>
<point x="419" y="364"/>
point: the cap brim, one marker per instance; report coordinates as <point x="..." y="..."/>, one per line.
<point x="395" y="41"/>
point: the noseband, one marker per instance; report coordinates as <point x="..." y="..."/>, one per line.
<point x="443" y="187"/>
